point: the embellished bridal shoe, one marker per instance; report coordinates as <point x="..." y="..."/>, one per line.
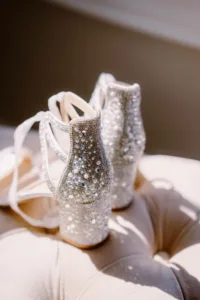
<point x="122" y="132"/>
<point x="79" y="179"/>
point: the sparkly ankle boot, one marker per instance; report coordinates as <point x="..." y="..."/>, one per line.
<point x="77" y="181"/>
<point x="83" y="191"/>
<point x="123" y="134"/>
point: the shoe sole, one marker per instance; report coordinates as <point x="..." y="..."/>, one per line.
<point x="85" y="247"/>
<point x="116" y="209"/>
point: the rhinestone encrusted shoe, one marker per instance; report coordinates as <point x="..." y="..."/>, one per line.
<point x="122" y="132"/>
<point x="79" y="179"/>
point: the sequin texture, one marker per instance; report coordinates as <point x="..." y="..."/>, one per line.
<point x="85" y="186"/>
<point x="124" y="138"/>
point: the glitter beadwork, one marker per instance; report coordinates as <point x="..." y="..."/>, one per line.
<point x="84" y="187"/>
<point x="46" y="136"/>
<point x="83" y="191"/>
<point x="122" y="191"/>
<point x="123" y="136"/>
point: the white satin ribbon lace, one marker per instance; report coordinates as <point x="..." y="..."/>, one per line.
<point x="45" y="118"/>
<point x="51" y="132"/>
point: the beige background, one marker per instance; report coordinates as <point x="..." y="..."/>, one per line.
<point x="47" y="49"/>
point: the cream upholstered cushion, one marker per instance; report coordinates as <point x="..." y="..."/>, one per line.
<point x="153" y="251"/>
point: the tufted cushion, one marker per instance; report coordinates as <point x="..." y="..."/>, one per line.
<point x="153" y="251"/>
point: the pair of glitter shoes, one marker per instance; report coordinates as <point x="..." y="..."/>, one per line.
<point x="93" y="165"/>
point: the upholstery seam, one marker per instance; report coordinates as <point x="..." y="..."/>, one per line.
<point x="99" y="272"/>
<point x="12" y="232"/>
<point x="59" y="292"/>
<point x="182" y="292"/>
<point x="190" y="224"/>
<point x="146" y="199"/>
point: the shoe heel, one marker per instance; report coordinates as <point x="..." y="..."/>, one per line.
<point x="84" y="190"/>
<point x="124" y="139"/>
<point x="122" y="191"/>
<point x="89" y="225"/>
